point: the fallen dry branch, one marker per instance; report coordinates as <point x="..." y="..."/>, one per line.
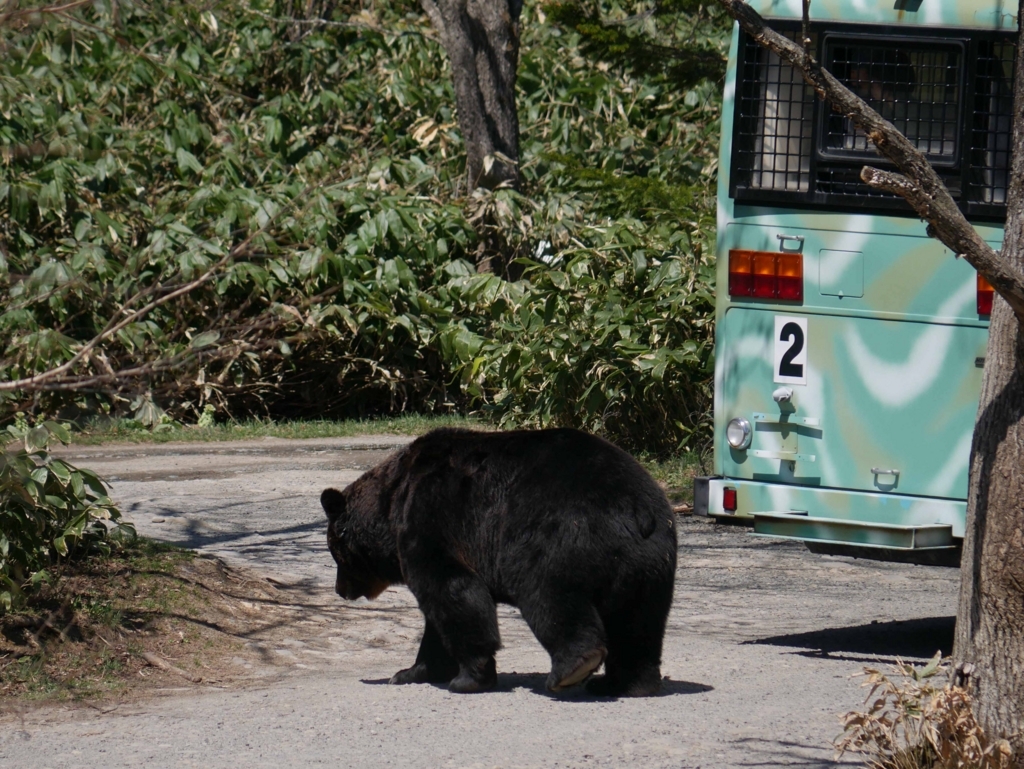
<point x="160" y="662"/>
<point x="13" y="16"/>
<point x="116" y="323"/>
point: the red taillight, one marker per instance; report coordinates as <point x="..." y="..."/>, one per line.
<point x="790" y="277"/>
<point x="741" y="273"/>
<point x="766" y="275"/>
<point x="729" y="500"/>
<point x="985" y="294"/>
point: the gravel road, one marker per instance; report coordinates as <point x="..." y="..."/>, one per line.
<point x="762" y="642"/>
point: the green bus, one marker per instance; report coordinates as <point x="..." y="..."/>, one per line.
<point x="850" y="344"/>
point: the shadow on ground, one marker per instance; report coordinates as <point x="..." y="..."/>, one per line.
<point x="760" y="752"/>
<point x="535" y="682"/>
<point x="899" y="639"/>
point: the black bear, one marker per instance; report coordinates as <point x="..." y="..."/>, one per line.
<point x="560" y="523"/>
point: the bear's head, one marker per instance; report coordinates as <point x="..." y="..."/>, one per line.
<point x="357" y="576"/>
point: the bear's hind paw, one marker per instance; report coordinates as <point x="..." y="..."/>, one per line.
<point x="644" y="686"/>
<point x="590" y="662"/>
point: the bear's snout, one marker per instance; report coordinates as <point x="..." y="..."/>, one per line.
<point x="353" y="590"/>
<point x="346" y="590"/>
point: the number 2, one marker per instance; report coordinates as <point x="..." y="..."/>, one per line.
<point x="786" y="366"/>
<point x="790" y="350"/>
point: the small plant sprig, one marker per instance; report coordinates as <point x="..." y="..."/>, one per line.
<point x="913" y="721"/>
<point x="49" y="510"/>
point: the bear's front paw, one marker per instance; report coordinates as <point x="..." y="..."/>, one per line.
<point x="464" y="684"/>
<point x="475" y="678"/>
<point x="422" y="673"/>
<point x="417" y="674"/>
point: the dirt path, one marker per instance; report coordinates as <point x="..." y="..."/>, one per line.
<point x="762" y="641"/>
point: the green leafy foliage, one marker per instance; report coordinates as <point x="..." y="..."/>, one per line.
<point x="680" y="40"/>
<point x="286" y="197"/>
<point x="49" y="510"/>
<point x="620" y="346"/>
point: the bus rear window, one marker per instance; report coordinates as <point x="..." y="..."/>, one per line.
<point x="778" y="107"/>
<point x="917" y="88"/>
<point x="952" y="97"/>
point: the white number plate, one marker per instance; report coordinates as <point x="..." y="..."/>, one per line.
<point x="790" y="350"/>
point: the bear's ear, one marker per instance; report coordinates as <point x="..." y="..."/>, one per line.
<point x="333" y="502"/>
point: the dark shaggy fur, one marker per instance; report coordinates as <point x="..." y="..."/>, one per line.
<point x="562" y="524"/>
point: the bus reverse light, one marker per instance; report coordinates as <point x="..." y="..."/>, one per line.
<point x="766" y="275"/>
<point x="985" y="294"/>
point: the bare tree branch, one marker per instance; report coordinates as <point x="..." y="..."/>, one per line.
<point x="434" y="14"/>
<point x="38" y="381"/>
<point x="805" y="28"/>
<point x="261" y="327"/>
<point x="327" y="23"/>
<point x="920" y="186"/>
<point x="20" y="14"/>
<point x="894" y="183"/>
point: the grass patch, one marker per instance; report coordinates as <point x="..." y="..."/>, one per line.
<point x="676" y="474"/>
<point x="77" y="638"/>
<point x="95" y="632"/>
<point x="130" y="431"/>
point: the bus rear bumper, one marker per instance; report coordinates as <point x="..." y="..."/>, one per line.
<point x="835" y="531"/>
<point x="836" y="518"/>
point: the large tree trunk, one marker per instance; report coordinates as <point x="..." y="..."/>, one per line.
<point x="481" y="38"/>
<point x="990" y="618"/>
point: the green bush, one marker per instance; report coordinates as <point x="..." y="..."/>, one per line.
<point x="316" y="170"/>
<point x="49" y="510"/>
<point x="615" y="338"/>
<point x="143" y="145"/>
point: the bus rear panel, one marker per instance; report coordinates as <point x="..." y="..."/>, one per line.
<point x="849" y="344"/>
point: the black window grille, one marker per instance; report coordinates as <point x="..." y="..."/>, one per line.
<point x="991" y="120"/>
<point x="775" y="110"/>
<point x="951" y="97"/>
<point x="915" y="87"/>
